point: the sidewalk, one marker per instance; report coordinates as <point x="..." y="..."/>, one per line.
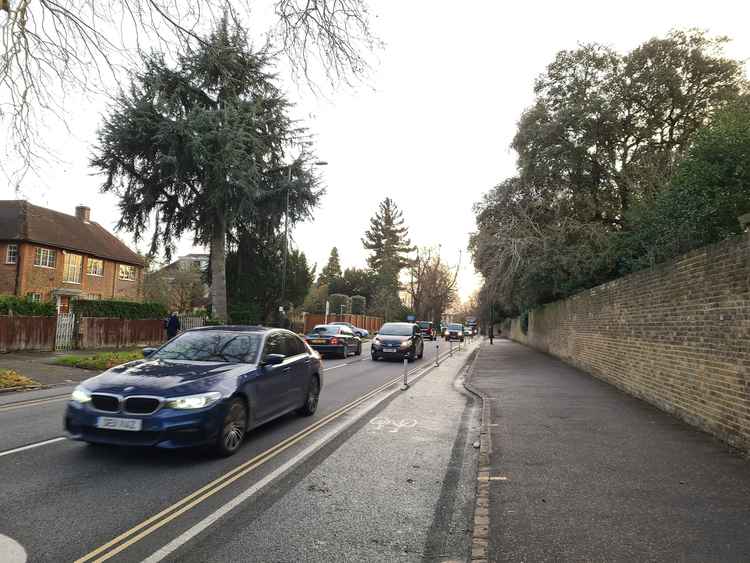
<point x="399" y="489"/>
<point x="39" y="366"/>
<point x="580" y="471"/>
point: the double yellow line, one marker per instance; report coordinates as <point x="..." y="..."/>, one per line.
<point x="138" y="532"/>
<point x="33" y="402"/>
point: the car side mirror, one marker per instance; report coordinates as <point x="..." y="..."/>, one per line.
<point x="273" y="359"/>
<point x="148" y="352"/>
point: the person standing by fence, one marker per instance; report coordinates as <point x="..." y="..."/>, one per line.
<point x="173" y="325"/>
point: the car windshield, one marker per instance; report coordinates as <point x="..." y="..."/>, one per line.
<point x="396" y="329"/>
<point x="325" y="329"/>
<point x="212" y="346"/>
<point x="455" y="327"/>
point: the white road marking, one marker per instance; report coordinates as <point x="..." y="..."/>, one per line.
<point x="192" y="532"/>
<point x="31" y="446"/>
<point x="11" y="551"/>
<point x="380" y="422"/>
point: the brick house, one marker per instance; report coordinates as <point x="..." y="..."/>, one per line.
<point x="51" y="256"/>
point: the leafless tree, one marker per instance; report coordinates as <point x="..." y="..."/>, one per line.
<point x="432" y="285"/>
<point x="54" y="49"/>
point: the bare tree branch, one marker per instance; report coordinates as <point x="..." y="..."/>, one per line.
<point x="52" y="49"/>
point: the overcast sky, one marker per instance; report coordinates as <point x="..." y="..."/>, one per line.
<point x="432" y="127"/>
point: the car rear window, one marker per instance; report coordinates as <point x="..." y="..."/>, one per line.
<point x="425" y="324"/>
<point x="326" y="329"/>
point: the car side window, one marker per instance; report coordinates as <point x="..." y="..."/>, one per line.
<point x="274" y="345"/>
<point x="294" y="345"/>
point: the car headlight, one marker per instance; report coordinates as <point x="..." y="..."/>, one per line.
<point x="406" y="344"/>
<point x="193" y="401"/>
<point x="80" y="395"/>
<point x="376" y="340"/>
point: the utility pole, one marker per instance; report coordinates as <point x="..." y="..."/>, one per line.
<point x="286" y="227"/>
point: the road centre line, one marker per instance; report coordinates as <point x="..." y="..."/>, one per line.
<point x="33" y="402"/>
<point x="145" y="528"/>
<point x="34" y="445"/>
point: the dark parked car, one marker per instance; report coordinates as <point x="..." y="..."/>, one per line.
<point x="336" y="339"/>
<point x="455" y="331"/>
<point x="398" y="340"/>
<point x="425" y="328"/>
<point x="361" y="332"/>
<point x="207" y="386"/>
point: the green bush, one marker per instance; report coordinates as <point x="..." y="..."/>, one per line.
<point x="359" y="304"/>
<point x="11" y="304"/>
<point x="118" y="309"/>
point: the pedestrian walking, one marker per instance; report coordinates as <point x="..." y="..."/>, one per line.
<point x="173" y="325"/>
<point x="492" y="331"/>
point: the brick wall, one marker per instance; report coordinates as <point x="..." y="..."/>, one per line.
<point x="7" y="272"/>
<point x="677" y="336"/>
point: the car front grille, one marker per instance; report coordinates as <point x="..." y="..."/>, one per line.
<point x="105" y="403"/>
<point x="141" y="405"/>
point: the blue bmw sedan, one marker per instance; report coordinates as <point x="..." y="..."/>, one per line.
<point x="207" y="386"/>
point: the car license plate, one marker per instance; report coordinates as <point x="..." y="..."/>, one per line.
<point x="389" y="349"/>
<point x="318" y="341"/>
<point x="110" y="423"/>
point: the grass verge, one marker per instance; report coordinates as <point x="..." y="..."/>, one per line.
<point x="10" y="379"/>
<point x="101" y="360"/>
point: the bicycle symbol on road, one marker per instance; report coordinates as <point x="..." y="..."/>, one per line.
<point x="393" y="426"/>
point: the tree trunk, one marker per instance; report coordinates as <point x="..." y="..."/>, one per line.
<point x="219" y="271"/>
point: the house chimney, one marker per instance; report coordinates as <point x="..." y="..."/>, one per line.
<point x="83" y="213"/>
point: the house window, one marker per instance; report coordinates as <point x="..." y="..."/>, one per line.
<point x="35" y="297"/>
<point x="92" y="296"/>
<point x="127" y="272"/>
<point x="45" y="258"/>
<point x="11" y="254"/>
<point x="72" y="271"/>
<point x="95" y="267"/>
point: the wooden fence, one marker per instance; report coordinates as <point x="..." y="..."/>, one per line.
<point x="27" y="333"/>
<point x="94" y="332"/>
<point x="371" y="324"/>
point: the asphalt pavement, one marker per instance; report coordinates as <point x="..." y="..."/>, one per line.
<point x="66" y="501"/>
<point x="580" y="471"/>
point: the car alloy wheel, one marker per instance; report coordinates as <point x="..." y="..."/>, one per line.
<point x="313" y="395"/>
<point x="233" y="428"/>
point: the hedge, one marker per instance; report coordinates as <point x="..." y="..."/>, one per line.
<point x="9" y="304"/>
<point x="118" y="309"/>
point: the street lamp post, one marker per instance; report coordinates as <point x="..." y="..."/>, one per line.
<point x="286" y="228"/>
